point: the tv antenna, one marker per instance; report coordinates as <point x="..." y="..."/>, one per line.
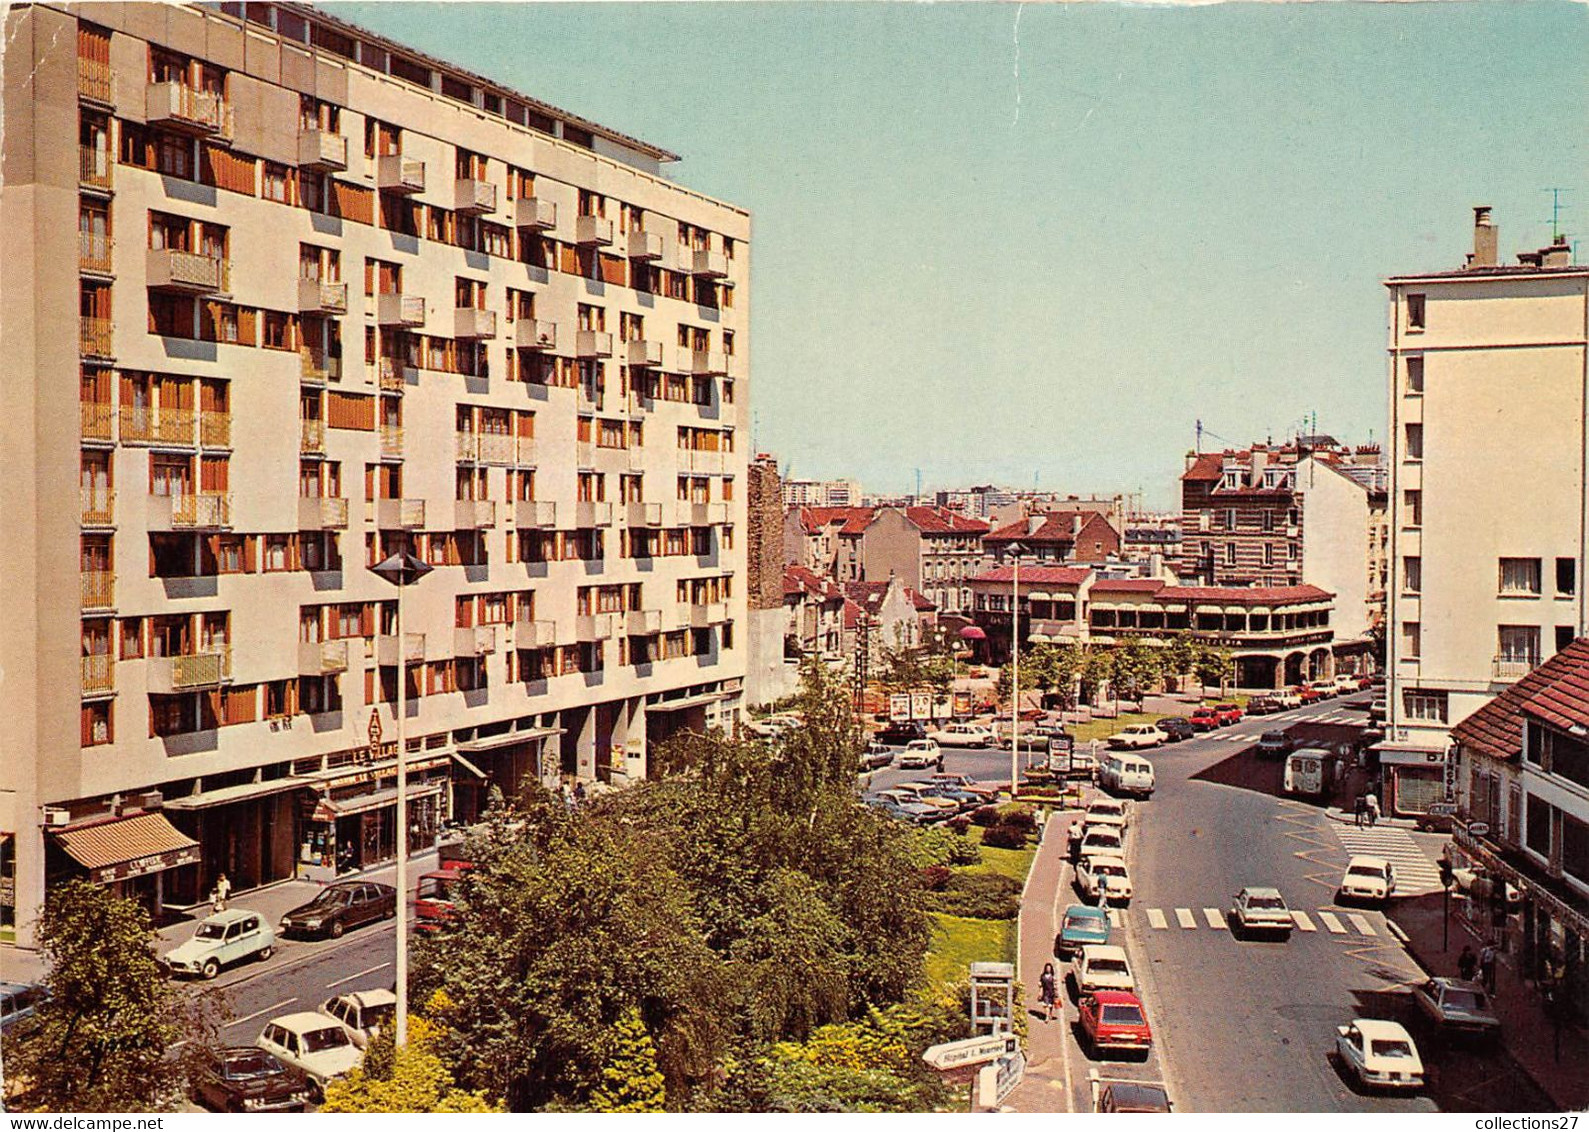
<point x="1556" y="209"/>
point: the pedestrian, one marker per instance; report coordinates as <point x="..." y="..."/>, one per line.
<point x="1487" y="959"/>
<point x="223" y="889"/>
<point x="1373" y="808"/>
<point x="1103" y="890"/>
<point x="579" y="791"/>
<point x="1466" y="962"/>
<point x="1048" y="991"/>
<point x="1361" y="809"/>
<point x="940" y="762"/>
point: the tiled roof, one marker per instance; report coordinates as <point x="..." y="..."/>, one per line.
<point x="1563" y="701"/>
<point x="850" y="520"/>
<point x="1038" y="575"/>
<point x="1056" y="527"/>
<point x="921" y="602"/>
<point x="1208" y="466"/>
<point x="867" y="594"/>
<point x="1246" y="595"/>
<point x="1556" y="692"/>
<point x="942" y="521"/>
<point x="800" y="580"/>
<point x="1128" y="585"/>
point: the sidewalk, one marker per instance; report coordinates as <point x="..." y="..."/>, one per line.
<point x="1525" y="1031"/>
<point x="1045" y="1087"/>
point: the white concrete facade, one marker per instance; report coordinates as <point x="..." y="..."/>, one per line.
<point x="1336" y="552"/>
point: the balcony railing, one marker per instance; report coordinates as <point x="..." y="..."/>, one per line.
<point x="712" y="613"/>
<point x="99" y="674"/>
<point x="530" y="634"/>
<point x="95" y="81"/>
<point x="643" y="352"/>
<point x="593" y="231"/>
<point x="99" y="506"/>
<point x="709" y="264"/>
<point x="392" y="441"/>
<point x="179" y="673"/>
<point x="532" y="212"/>
<point x="148" y="425"/>
<point x="472" y="195"/>
<point x="468" y="447"/>
<point x="400" y="514"/>
<point x="94" y="168"/>
<point x="215" y="430"/>
<point x="596" y="627"/>
<point x="643" y="622"/>
<point x="643" y="514"/>
<point x="98" y="419"/>
<point x="1506" y="668"/>
<point x="187" y="272"/>
<point x="501" y="449"/>
<point x="386" y="648"/>
<point x="312" y="437"/>
<point x="534" y="514"/>
<point x="473" y="514"/>
<point x="535" y="334"/>
<point x="93" y="252"/>
<point x="179" y="107"/>
<point x="705" y="514"/>
<point x="398" y="174"/>
<point x="644" y="245"/>
<point x="471" y="322"/>
<point x="317" y="365"/>
<point x="703" y="460"/>
<point x="593" y="344"/>
<point x="706" y="363"/>
<point x="320" y="296"/>
<point x="329" y="513"/>
<point x="322" y="151"/>
<point x="394" y="374"/>
<point x="476" y="640"/>
<point x="99" y="589"/>
<point x="591" y="514"/>
<point x="93" y="336"/>
<point x="400" y="310"/>
<point x="322" y="658"/>
<point x="209" y="511"/>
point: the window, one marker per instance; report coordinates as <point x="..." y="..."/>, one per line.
<point x="1520" y="576"/>
<point x="1415" y="312"/>
<point x="1411" y="640"/>
<point x="1230" y="518"/>
<point x="1424" y="706"/>
<point x="1415" y="374"/>
<point x="1412" y="574"/>
<point x="1565" y="635"/>
<point x="1518" y="644"/>
<point x="1268" y="521"/>
<point x="1412" y="511"/>
<point x="1230" y="554"/>
<point x="1268" y="554"/>
<point x="1415" y="442"/>
<point x="1538" y="838"/>
<point x="1566" y="577"/>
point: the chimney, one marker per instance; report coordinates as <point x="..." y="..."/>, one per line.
<point x="1559" y="254"/>
<point x="1260" y="460"/>
<point x="1484" y="239"/>
<point x="1033" y="524"/>
<point x="1075" y="525"/>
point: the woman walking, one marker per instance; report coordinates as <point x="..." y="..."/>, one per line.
<point x="1048" y="991"/>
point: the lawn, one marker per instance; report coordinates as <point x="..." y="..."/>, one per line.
<point x="1010" y="862"/>
<point x="958" y="941"/>
<point x="1101" y="729"/>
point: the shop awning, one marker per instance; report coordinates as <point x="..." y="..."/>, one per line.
<point x="690" y="701"/>
<point x="507" y="738"/>
<point x="458" y="758"/>
<point x="128" y="847"/>
<point x="1405" y="754"/>
<point x="327" y="809"/>
<point x="226" y="794"/>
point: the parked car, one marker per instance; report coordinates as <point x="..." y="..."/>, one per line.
<point x="1176" y="728"/>
<point x="1368" y="878"/>
<point x="1116" y="1020"/>
<point x="1095" y="868"/>
<point x="1101" y="838"/>
<point x="248" y="1079"/>
<point x="964" y="782"/>
<point x="1273" y="744"/>
<point x="923" y="792"/>
<point x="1326" y="689"/>
<point x="1102" y="966"/>
<point x="876" y="755"/>
<point x="919" y="753"/>
<point x="1287" y="698"/>
<point x="362" y="1013"/>
<point x="434" y="896"/>
<point x="1347" y="683"/>
<point x="1132" y="1096"/>
<point x="962" y="798"/>
<point x="964" y="735"/>
<point x="1308" y="694"/>
<point x="340" y="906"/>
<point x="904" y="806"/>
<point x="1256" y="909"/>
<point x="1138" y="736"/>
<point x="1263" y="705"/>
<point x="1228" y="713"/>
<point x="1204" y="719"/>
<point x="1125" y="773"/>
<point x="1457" y="1006"/>
<point x="226" y="937"/>
<point x="902" y="731"/>
<point x="19" y="1001"/>
<point x="1380" y="1053"/>
<point x="1081" y="925"/>
<point x="1100" y="809"/>
<point x="1376" y="711"/>
<point x="313" y="1043"/>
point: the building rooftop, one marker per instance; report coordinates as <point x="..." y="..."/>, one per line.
<point x="1557" y="693"/>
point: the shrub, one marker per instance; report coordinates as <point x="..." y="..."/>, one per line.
<point x="1005" y="837"/>
<point x="1019" y="817"/>
<point x="985" y="896"/>
<point x="935" y="878"/>
<point x="938" y="846"/>
<point x="958" y="825"/>
<point x="985" y="816"/>
<point x="964" y="851"/>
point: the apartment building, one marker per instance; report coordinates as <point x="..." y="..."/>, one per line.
<point x="331" y="299"/>
<point x="1075" y="535"/>
<point x="1487" y="482"/>
<point x="932" y="550"/>
<point x="821" y="493"/>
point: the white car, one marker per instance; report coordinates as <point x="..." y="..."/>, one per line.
<point x="1138" y="736"/>
<point x="1349" y="682"/>
<point x="312" y="1042"/>
<point x="915" y="791"/>
<point x="1379" y="1053"/>
<point x="1102" y="839"/>
<point x="226" y="937"/>
<point x="1369" y="878"/>
<point x="1257" y="909"/>
<point x="965" y="735"/>
<point x="919" y="753"/>
<point x="361" y="1013"/>
<point x="1100" y="809"/>
<point x="1286" y="698"/>
<point x="1102" y="966"/>
<point x="1097" y="868"/>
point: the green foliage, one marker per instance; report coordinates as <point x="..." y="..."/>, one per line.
<point x="1097" y="669"/>
<point x="631" y="1081"/>
<point x="987" y="896"/>
<point x="931" y="845"/>
<point x="1180" y="656"/>
<point x="411" y="1079"/>
<point x="100" y="1043"/>
<point x="985" y="816"/>
<point x="1138" y="667"/>
<point x="1004" y="684"/>
<point x="1005" y="836"/>
<point x="1213" y="665"/>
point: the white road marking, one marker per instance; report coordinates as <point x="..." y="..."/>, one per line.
<point x="1333" y="923"/>
<point x="260" y="1013"/>
<point x="1156" y="918"/>
<point x="1361" y="924"/>
<point x="1114" y="918"/>
<point x="359" y="975"/>
<point x="1215" y="918"/>
<point x="1300" y="918"/>
<point x="1184" y="917"/>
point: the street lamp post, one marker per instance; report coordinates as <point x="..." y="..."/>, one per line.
<point x="402" y="570"/>
<point x="1015" y="669"/>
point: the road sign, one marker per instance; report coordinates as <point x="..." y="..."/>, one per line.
<point x="998" y="1081"/>
<point x="969" y="1051"/>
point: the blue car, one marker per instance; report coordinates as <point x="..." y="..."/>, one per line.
<point x="1082" y="925"/>
<point x="18" y="1000"/>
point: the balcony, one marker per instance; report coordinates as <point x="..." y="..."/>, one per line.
<point x="400" y="514"/>
<point x="312" y="437"/>
<point x="391" y="441"/>
<point x="535" y="334"/>
<point x="144" y="425"/>
<point x="703" y="460"/>
<point x="175" y="106"/>
<point x="95" y="81"/>
<point x="593" y="344"/>
<point x="1506" y="669"/>
<point x="643" y="352"/>
<point x="593" y="231"/>
<point x="319" y="296"/>
<point x="97" y="418"/>
<point x="99" y="589"/>
<point x="584" y="451"/>
<point x="187" y="273"/>
<point x="386" y="649"/>
<point x="473" y="514"/>
<point x="99" y="675"/>
<point x="170" y="674"/>
<point x="470" y="322"/>
<point x="707" y="264"/>
<point x="215" y="429"/>
<point x="712" y="613"/>
<point x="322" y="151"/>
<point x="596" y="627"/>
<point x="643" y="622"/>
<point x="208" y="512"/>
<point x="397" y="310"/>
<point x="706" y="363"/>
<point x="535" y="514"/>
<point x="643" y="514"/>
<point x="95" y="169"/>
<point x="315" y="365"/>
<point x="322" y="658"/>
<point x="398" y="174"/>
<point x="529" y="634"/>
<point x="93" y="253"/>
<point x="93" y="337"/>
<point x="534" y="213"/>
<point x="98" y="506"/>
<point x="476" y="640"/>
<point x="323" y="514"/>
<point x="474" y="196"/>
<point x="502" y="449"/>
<point x="705" y="514"/>
<point x="643" y="245"/>
<point x="589" y="514"/>
<point x="394" y="374"/>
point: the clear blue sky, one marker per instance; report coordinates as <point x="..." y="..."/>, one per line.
<point x="992" y="250"/>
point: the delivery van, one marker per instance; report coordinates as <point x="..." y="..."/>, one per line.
<point x="1125" y="773"/>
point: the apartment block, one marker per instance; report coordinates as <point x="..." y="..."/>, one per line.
<point x="1487" y="484"/>
<point x="331" y="299"/>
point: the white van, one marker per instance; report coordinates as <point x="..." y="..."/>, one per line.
<point x="1123" y="773"/>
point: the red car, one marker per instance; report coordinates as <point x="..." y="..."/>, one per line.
<point x="1205" y="719"/>
<point x="1115" y="1020"/>
<point x="1307" y="694"/>
<point x="1228" y="713"/>
<point x="434" y="904"/>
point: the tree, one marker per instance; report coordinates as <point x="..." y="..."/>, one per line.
<point x="1004" y="685"/>
<point x="1065" y="666"/>
<point x="1038" y="667"/>
<point x="631" y="1081"/>
<point x="1180" y="657"/>
<point x="411" y="1079"/>
<point x="1097" y="669"/>
<point x="1136" y="666"/>
<point x="101" y="1042"/>
<point x="1213" y="665"/>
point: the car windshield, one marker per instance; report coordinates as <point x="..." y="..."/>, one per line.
<point x="318" y="1041"/>
<point x="256" y="1063"/>
<point x="1108" y="869"/>
<point x="1390" y="1047"/>
<point x="1122" y="1015"/>
<point x="1456" y="998"/>
<point x="1265" y="902"/>
<point x="210" y="931"/>
<point x="1364" y="871"/>
<point x="1087" y="923"/>
<point x="330" y="898"/>
<point x="1274" y="736"/>
<point x="1102" y="837"/>
<point x="1108" y="966"/>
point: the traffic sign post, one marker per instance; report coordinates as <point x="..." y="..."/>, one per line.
<point x="970" y="1051"/>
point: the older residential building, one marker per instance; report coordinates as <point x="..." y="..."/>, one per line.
<point x="512" y="348"/>
<point x="931" y="549"/>
<point x="886" y="614"/>
<point x="827" y="540"/>
<point x="1077" y="535"/>
<point x="813" y="616"/>
<point x="1488" y="487"/>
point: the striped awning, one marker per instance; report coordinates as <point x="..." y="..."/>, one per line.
<point x="128" y="847"/>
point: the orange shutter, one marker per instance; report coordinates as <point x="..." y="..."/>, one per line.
<point x="350" y="410"/>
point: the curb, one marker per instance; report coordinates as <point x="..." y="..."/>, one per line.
<point x="1336" y="814"/>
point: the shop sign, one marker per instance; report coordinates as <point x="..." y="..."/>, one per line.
<point x="142" y="866"/>
<point x="998" y="1081"/>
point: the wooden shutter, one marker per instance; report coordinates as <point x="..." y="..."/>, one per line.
<point x="350" y="410"/>
<point x="354" y="202"/>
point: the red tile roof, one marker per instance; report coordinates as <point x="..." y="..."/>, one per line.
<point x="799" y="580"/>
<point x="1038" y="575"/>
<point x="922" y="603"/>
<point x="1208" y="466"/>
<point x="851" y="520"/>
<point x="1128" y="585"/>
<point x="1246" y="595"/>
<point x="1556" y="692"/>
<point x="941" y="521"/>
<point x="1563" y="700"/>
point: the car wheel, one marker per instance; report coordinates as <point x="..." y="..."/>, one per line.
<point x="210" y="969"/>
<point x="265" y="953"/>
<point x="336" y="929"/>
<point x="390" y="912"/>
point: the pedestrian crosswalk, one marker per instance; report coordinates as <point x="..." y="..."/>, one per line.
<point x="1416" y="874"/>
<point x="1186" y="919"/>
